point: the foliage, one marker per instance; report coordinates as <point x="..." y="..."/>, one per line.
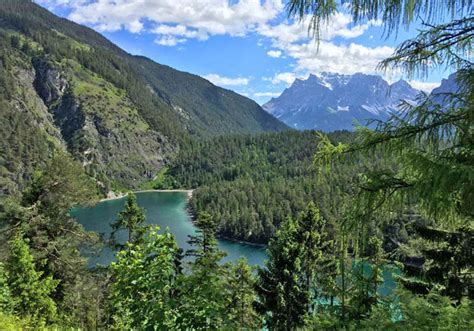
<point x="203" y="295"/>
<point x="447" y="266"/>
<point x="284" y="297"/>
<point x="241" y="298"/>
<point x="59" y="186"/>
<point x="31" y="292"/>
<point x="144" y="280"/>
<point x="433" y="312"/>
<point x="131" y="219"/>
<point x="55" y="239"/>
<point x="367" y="278"/>
<point x="431" y="147"/>
<point x="6" y="300"/>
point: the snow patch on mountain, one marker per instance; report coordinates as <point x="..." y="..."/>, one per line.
<point x="330" y="101"/>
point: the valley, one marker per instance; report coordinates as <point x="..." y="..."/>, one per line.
<point x="136" y="196"/>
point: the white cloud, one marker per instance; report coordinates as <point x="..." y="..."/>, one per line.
<point x="169" y="41"/>
<point x="266" y="94"/>
<point x="274" y="53"/>
<point x="287" y="32"/>
<point x="292" y="38"/>
<point x="283" y="77"/>
<point x="226" y="81"/>
<point x="344" y="59"/>
<point x="175" y="22"/>
<point x="181" y="19"/>
<point x="423" y="86"/>
<point x="135" y="26"/>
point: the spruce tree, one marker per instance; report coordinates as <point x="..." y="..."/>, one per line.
<point x="447" y="266"/>
<point x="284" y="298"/>
<point x="366" y="280"/>
<point x="241" y="297"/>
<point x="132" y="219"/>
<point x="202" y="287"/>
<point x="318" y="256"/>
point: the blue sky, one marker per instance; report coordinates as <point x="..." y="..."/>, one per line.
<point x="248" y="46"/>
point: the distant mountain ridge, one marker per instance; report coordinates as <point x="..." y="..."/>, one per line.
<point x="330" y="101"/>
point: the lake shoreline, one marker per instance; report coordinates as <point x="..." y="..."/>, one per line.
<point x="237" y="241"/>
<point x="114" y="196"/>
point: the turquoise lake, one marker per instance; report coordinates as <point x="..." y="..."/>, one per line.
<point x="166" y="209"/>
<point x="169" y="210"/>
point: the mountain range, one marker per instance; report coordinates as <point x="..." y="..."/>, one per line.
<point x="330" y="101"/>
<point x="65" y="87"/>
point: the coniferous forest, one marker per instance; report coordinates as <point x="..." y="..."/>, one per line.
<point x="336" y="211"/>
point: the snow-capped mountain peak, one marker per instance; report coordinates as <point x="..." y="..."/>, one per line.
<point x="330" y="101"/>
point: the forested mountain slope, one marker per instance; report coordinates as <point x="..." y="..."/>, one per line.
<point x="251" y="183"/>
<point x="64" y="86"/>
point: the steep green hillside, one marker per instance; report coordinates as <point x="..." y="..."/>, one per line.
<point x="64" y="86"/>
<point x="208" y="109"/>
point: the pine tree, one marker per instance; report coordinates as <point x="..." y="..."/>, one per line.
<point x="205" y="242"/>
<point x="447" y="263"/>
<point x="318" y="257"/>
<point x="241" y="298"/>
<point x="366" y="279"/>
<point x="202" y="289"/>
<point x="284" y="298"/>
<point x="55" y="239"/>
<point x="310" y="234"/>
<point x="432" y="142"/>
<point x="132" y="219"/>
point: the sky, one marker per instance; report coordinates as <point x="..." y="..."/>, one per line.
<point x="248" y="46"/>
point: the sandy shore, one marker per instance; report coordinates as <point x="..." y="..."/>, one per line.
<point x="112" y="195"/>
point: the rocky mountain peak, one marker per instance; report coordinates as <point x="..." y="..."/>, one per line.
<point x="331" y="101"/>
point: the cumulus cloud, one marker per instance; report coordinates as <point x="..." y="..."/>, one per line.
<point x="169" y="41"/>
<point x="424" y="86"/>
<point x="226" y="81"/>
<point x="283" y="77"/>
<point x="289" y="32"/>
<point x="331" y="57"/>
<point x="179" y="19"/>
<point x="292" y="38"/>
<point x="274" y="53"/>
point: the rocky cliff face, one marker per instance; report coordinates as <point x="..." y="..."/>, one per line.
<point x="99" y="124"/>
<point x="331" y="102"/>
<point x="64" y="106"/>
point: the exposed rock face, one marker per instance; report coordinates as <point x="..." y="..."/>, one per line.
<point x="111" y="142"/>
<point x="331" y="102"/>
<point x="442" y="93"/>
<point x="49" y="82"/>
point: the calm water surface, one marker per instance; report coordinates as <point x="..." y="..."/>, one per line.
<point x="166" y="209"/>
